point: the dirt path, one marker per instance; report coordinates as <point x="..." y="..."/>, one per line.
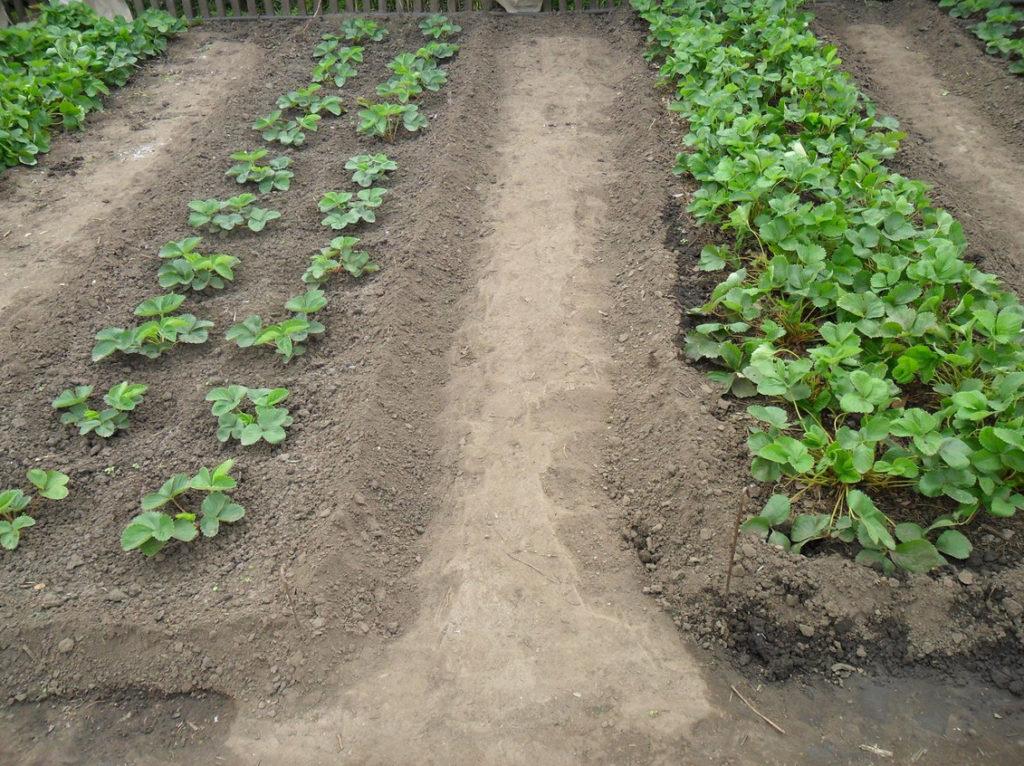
<point x="514" y="660"/>
<point x="962" y="110"/>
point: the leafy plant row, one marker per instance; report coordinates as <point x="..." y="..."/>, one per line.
<point x="1001" y="29"/>
<point x="55" y="70"/>
<point x="887" y="367"/>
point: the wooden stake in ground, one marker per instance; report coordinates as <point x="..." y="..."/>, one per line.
<point x="741" y="511"/>
<point x="757" y="712"/>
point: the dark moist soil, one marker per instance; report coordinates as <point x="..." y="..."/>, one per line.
<point x="677" y="464"/>
<point x="316" y="572"/>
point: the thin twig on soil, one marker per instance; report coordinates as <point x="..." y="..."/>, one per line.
<point x="546" y="576"/>
<point x="740" y="513"/>
<point x="757" y="712"/>
<point x="291" y="602"/>
<point x="876" y="750"/>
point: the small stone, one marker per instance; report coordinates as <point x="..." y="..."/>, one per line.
<point x="359" y="499"/>
<point x="363" y="628"/>
<point x="66" y="645"/>
<point x="807" y="631"/>
<point x="317" y="622"/>
<point x="966" y="577"/>
<point x="50" y="601"/>
<point x="1012" y="607"/>
<point x="115" y="595"/>
<point x="75" y="561"/>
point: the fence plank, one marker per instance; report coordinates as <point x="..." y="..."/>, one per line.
<point x="433" y="6"/>
<point x="137" y="7"/>
<point x="19" y="12"/>
<point x="332" y="6"/>
<point x="250" y="7"/>
<point x="286" y="7"/>
<point x="220" y="8"/>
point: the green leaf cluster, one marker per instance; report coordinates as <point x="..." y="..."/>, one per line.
<point x="438" y="27"/>
<point x="163" y="330"/>
<point x="275" y="175"/>
<point x="894" y="363"/>
<point x="51" y="485"/>
<point x="121" y="399"/>
<point x="347" y="209"/>
<point x="383" y="120"/>
<point x="190" y="269"/>
<point x="368" y="168"/>
<point x="227" y="214"/>
<point x="289" y="336"/>
<point x="360" y="30"/>
<point x="275" y="127"/>
<point x="1002" y="28"/>
<point x="337" y="256"/>
<point x="263" y="421"/>
<point x="153" y="529"/>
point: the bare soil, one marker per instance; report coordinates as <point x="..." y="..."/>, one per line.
<point x="497" y="445"/>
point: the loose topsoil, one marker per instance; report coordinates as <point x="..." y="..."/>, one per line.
<point x="677" y="464"/>
<point x="315" y="572"/>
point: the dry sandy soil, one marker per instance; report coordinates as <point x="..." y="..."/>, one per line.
<point x="497" y="531"/>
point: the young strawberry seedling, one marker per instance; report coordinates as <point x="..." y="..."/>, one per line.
<point x="288" y="336"/>
<point x="51" y="485"/>
<point x="190" y="269"/>
<point x="152" y="529"/>
<point x="225" y="215"/>
<point x="163" y="331"/>
<point x="331" y="68"/>
<point x="345" y="209"/>
<point x="357" y="30"/>
<point x="121" y="399"/>
<point x="435" y="50"/>
<point x="339" y="255"/>
<point x="408" y="67"/>
<point x="264" y="420"/>
<point x="273" y="127"/>
<point x="383" y="120"/>
<point x="367" y="168"/>
<point x="272" y="176"/>
<point x="439" y="27"/>
<point x="401" y="89"/>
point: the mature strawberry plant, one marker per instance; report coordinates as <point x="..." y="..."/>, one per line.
<point x="264" y="420"/>
<point x="274" y="127"/>
<point x="56" y="69"/>
<point x="163" y="330"/>
<point x="193" y="270"/>
<point x="289" y="336"/>
<point x="14" y="504"/>
<point x="439" y="27"/>
<point x="424" y="72"/>
<point x="339" y="255"/>
<point x="885" y="362"/>
<point x="357" y="30"/>
<point x="121" y="399"/>
<point x="368" y="168"/>
<point x="346" y="209"/>
<point x="152" y="530"/>
<point x="275" y="175"/>
<point x="383" y="120"/>
<point x="1002" y="29"/>
<point x="227" y="214"/>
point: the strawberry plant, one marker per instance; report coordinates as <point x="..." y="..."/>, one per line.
<point x="289" y="336"/>
<point x="226" y="214"/>
<point x="439" y="27"/>
<point x="55" y="69"/>
<point x="333" y="69"/>
<point x="163" y="330"/>
<point x="435" y="50"/>
<point x="121" y="399"/>
<point x="273" y="127"/>
<point x="367" y="168"/>
<point x="153" y="529"/>
<point x="339" y="255"/>
<point x="1002" y="29"/>
<point x="51" y="485"/>
<point x="345" y="209"/>
<point x="263" y="421"/>
<point x="190" y="269"/>
<point x="424" y="72"/>
<point x="275" y="175"/>
<point x="383" y="120"/>
<point x="357" y="30"/>
<point x="885" y="362"/>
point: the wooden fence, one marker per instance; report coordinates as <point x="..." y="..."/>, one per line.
<point x="19" y="10"/>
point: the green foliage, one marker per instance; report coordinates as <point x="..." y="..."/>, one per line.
<point x="275" y="175"/>
<point x="289" y="336"/>
<point x="346" y="209"/>
<point x="227" y="214"/>
<point x="333" y="69"/>
<point x="437" y="50"/>
<point x="310" y="100"/>
<point x="367" y="168"/>
<point x="439" y="27"/>
<point x="190" y="269"/>
<point x="274" y="127"/>
<point x="339" y="255"/>
<point x="152" y="530"/>
<point x="846" y="297"/>
<point x="121" y="399"/>
<point x="383" y="120"/>
<point x="163" y="330"/>
<point x="1002" y="29"/>
<point x="56" y="69"/>
<point x="51" y="485"/>
<point x="423" y="73"/>
<point x="264" y="421"/>
<point x="357" y="30"/>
